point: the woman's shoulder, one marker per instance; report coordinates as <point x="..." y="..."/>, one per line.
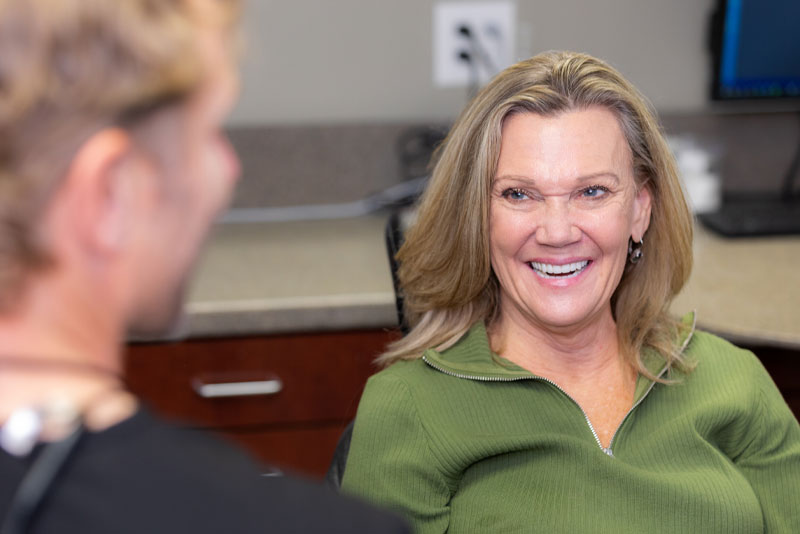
<point x="408" y="376"/>
<point x="404" y="382"/>
<point x="469" y="357"/>
<point x="730" y="385"/>
<point x="717" y="361"/>
<point x="706" y="348"/>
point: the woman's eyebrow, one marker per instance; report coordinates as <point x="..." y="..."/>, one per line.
<point x="596" y="175"/>
<point x="515" y="178"/>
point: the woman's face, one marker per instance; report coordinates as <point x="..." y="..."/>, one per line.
<point x="563" y="205"/>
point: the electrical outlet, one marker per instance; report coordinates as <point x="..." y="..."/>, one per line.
<point x="472" y="41"/>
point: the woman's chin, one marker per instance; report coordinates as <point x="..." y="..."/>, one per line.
<point x="564" y="321"/>
<point x="560" y="316"/>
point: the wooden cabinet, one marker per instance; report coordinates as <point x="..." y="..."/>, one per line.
<point x="284" y="397"/>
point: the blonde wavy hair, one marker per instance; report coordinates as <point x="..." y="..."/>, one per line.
<point x="69" y="68"/>
<point x="445" y="274"/>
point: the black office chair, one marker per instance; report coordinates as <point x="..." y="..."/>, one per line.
<point x="393" y="236"/>
<point x="335" y="474"/>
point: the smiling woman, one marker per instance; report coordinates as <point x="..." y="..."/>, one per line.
<point x="447" y="277"/>
<point x="536" y="388"/>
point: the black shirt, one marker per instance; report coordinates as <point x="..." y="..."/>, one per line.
<point x="145" y="475"/>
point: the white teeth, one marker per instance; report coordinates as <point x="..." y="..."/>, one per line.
<point x="547" y="270"/>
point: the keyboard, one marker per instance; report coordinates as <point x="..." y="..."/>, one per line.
<point x="744" y="217"/>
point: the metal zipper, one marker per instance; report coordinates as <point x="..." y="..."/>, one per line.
<point x="609" y="450"/>
<point x="649" y="389"/>
<point x="518" y="378"/>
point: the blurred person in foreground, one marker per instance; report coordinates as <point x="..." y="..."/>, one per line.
<point x="112" y="167"/>
<point x="543" y="386"/>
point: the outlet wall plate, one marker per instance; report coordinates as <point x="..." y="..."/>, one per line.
<point x="490" y="44"/>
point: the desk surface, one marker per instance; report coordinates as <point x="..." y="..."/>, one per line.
<point x="263" y="278"/>
<point x="746" y="289"/>
<point x="323" y="275"/>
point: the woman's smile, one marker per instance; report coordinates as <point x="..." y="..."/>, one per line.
<point x="559" y="270"/>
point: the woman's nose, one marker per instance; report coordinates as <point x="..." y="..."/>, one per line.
<point x="556" y="226"/>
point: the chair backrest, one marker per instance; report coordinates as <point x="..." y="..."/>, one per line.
<point x="393" y="233"/>
<point x="333" y="477"/>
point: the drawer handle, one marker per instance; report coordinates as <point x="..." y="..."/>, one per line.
<point x="238" y="389"/>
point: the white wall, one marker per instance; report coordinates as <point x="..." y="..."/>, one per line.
<point x="333" y="61"/>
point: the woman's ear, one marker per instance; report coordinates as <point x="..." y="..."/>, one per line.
<point x="641" y="213"/>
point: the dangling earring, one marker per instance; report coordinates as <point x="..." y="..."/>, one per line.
<point x="635" y="250"/>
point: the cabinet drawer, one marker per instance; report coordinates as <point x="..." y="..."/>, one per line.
<point x="293" y="378"/>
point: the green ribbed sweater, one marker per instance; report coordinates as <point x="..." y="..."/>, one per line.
<point x="465" y="441"/>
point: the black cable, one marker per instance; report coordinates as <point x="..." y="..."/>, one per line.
<point x="415" y="148"/>
<point x="787" y="191"/>
<point x="474" y="76"/>
<point x="479" y="51"/>
<point x="38" y="481"/>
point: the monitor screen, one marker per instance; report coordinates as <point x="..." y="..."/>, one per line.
<point x="756" y="50"/>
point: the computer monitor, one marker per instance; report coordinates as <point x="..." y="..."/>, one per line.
<point x="755" y="51"/>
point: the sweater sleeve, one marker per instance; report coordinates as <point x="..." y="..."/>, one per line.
<point x="771" y="458"/>
<point x="391" y="463"/>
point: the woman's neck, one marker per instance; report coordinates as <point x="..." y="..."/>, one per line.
<point x="572" y="354"/>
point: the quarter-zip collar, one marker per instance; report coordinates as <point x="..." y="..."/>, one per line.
<point x="472" y="358"/>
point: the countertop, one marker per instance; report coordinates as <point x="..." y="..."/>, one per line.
<point x="745" y="289"/>
<point x="303" y="276"/>
<point x="325" y="275"/>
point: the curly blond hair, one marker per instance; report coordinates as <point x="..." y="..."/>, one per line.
<point x="67" y="69"/>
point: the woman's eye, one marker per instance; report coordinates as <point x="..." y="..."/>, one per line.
<point x="594" y="191"/>
<point x="515" y="194"/>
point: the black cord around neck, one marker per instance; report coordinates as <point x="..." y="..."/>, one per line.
<point x="38" y="482"/>
<point x="41" y="477"/>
